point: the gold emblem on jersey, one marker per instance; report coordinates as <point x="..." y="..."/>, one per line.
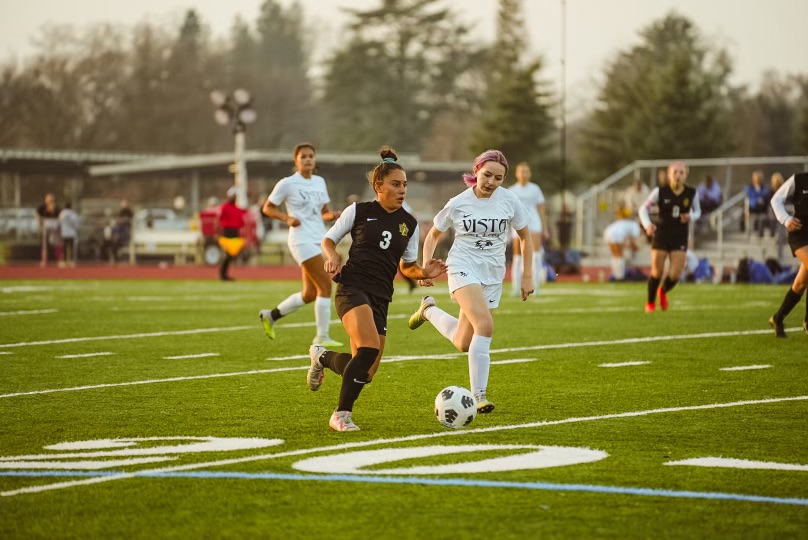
<point x="403" y="229"/>
<point x="687" y="201"/>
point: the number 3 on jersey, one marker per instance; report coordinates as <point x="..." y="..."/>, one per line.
<point x="386" y="236"/>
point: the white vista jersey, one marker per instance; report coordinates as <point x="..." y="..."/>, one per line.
<point x="619" y="231"/>
<point x="531" y="195"/>
<point x="304" y="198"/>
<point x="481" y="232"/>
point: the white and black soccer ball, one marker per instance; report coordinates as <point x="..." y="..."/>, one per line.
<point x="455" y="407"/>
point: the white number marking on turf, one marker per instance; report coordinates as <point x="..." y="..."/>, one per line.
<point x="739" y="464"/>
<point x="182" y="357"/>
<point x="742" y="368"/>
<point x="345" y="446"/>
<point x="514" y="361"/>
<point x="625" y="364"/>
<point x="86" y="355"/>
<point x="541" y="457"/>
<point x="128" y="447"/>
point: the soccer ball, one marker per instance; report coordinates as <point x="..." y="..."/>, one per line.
<point x="455" y="407"/>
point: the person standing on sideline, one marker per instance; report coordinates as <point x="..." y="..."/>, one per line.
<point x="619" y="235"/>
<point x="481" y="217"/>
<point x="794" y="190"/>
<point x="69" y="228"/>
<point x="47" y="214"/>
<point x="306" y="197"/>
<point x="678" y="205"/>
<point x="229" y="222"/>
<point x="385" y="239"/>
<point x="532" y="197"/>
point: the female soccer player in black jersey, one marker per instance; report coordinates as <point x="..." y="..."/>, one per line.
<point x="678" y="206"/>
<point x="385" y="238"/>
<point x="794" y="190"/>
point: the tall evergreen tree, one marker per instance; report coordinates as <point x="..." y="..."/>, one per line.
<point x="664" y="98"/>
<point x="402" y="62"/>
<point x="515" y="112"/>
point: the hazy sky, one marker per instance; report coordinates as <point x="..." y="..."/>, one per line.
<point x="759" y="34"/>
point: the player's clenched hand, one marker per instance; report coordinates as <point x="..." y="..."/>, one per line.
<point x="527" y="286"/>
<point x="794" y="224"/>
<point x="333" y="264"/>
<point x="293" y="221"/>
<point x="684" y="218"/>
<point x="650" y="230"/>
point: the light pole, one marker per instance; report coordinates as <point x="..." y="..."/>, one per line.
<point x="236" y="108"/>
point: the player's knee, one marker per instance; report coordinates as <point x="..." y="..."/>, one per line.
<point x="308" y="296"/>
<point x="359" y="367"/>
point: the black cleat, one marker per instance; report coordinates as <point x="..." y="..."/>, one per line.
<point x="779" y="331"/>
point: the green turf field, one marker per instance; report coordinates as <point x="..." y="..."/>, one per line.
<point x="136" y="409"/>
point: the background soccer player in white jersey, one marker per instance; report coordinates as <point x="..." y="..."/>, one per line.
<point x="481" y="217"/>
<point x="306" y="198"/>
<point x="619" y="235"/>
<point x="532" y="197"/>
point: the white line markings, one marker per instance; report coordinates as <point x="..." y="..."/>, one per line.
<point x="625" y="364"/>
<point x="743" y="368"/>
<point x="28" y="312"/>
<point x="732" y="463"/>
<point x="514" y="361"/>
<point x="182" y="357"/>
<point x="389" y="359"/>
<point x="344" y="446"/>
<point x="86" y="355"/>
<point x="128" y="336"/>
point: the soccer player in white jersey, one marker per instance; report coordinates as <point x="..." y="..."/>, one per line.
<point x="306" y="197"/>
<point x="481" y="218"/>
<point x="532" y="197"/>
<point x="795" y="192"/>
<point x="619" y="235"/>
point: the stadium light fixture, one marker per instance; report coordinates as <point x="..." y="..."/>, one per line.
<point x="236" y="109"/>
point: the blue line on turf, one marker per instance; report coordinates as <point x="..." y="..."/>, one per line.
<point x="462" y="482"/>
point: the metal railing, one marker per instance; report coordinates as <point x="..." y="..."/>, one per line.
<point x="589" y="222"/>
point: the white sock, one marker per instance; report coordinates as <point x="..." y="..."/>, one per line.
<point x="621" y="266"/>
<point x="291" y="304"/>
<point x="538" y="270"/>
<point x="479" y="362"/>
<point x="516" y="274"/>
<point x="322" y="315"/>
<point x="616" y="268"/>
<point x="442" y="321"/>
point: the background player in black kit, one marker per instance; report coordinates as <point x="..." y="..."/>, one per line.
<point x="385" y="238"/>
<point x="678" y="206"/>
<point x="795" y="191"/>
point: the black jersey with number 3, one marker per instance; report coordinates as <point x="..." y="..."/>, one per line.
<point x="671" y="206"/>
<point x="379" y="240"/>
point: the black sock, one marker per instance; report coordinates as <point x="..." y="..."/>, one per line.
<point x="791" y="300"/>
<point x="356" y="376"/>
<point x="335" y="361"/>
<point x="653" y="285"/>
<point x="275" y="314"/>
<point x="668" y="284"/>
<point x="223" y="267"/>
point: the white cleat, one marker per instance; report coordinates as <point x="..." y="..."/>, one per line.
<point x="342" y="421"/>
<point x="314" y="378"/>
<point x="418" y="318"/>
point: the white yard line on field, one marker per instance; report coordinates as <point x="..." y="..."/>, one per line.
<point x="394" y="358"/>
<point x="515" y="361"/>
<point x="87" y="355"/>
<point x="28" y="312"/>
<point x="625" y="364"/>
<point x="184" y="356"/>
<point x="345" y="446"/>
<point x="743" y="368"/>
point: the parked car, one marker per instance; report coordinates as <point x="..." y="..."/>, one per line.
<point x="18" y="222"/>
